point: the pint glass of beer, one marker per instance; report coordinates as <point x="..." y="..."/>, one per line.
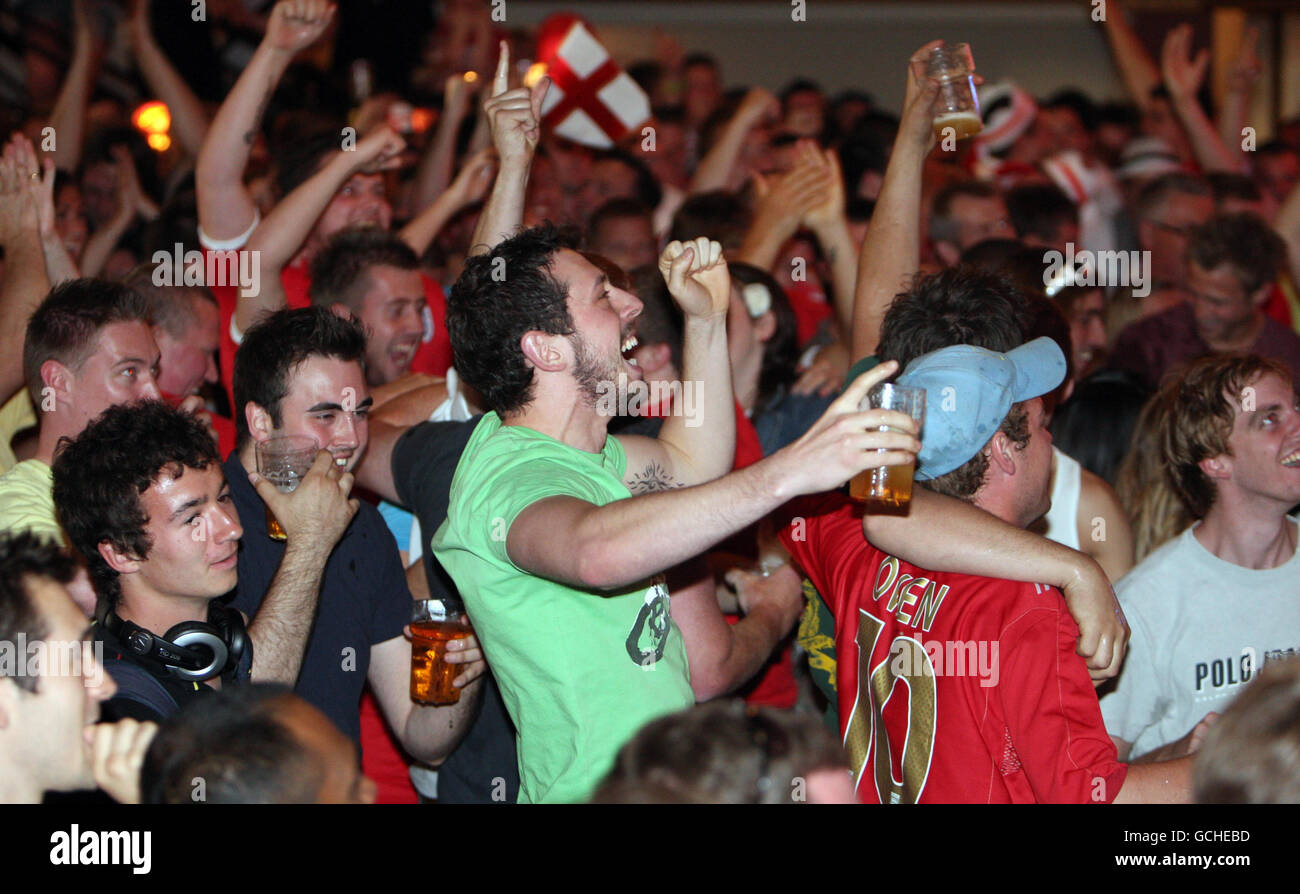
<point x="433" y="623"/>
<point x="284" y="461"/>
<point x="889" y="487"/>
<point x="958" y="106"/>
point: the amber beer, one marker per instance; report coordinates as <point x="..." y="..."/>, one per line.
<point x="963" y="124"/>
<point x="958" y="104"/>
<point x="431" y="676"/>
<point x="889" y="487"/>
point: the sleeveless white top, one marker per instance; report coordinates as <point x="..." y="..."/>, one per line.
<point x="1062" y="519"/>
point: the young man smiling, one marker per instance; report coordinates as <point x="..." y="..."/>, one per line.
<point x="142" y="495"/>
<point x="1232" y="445"/>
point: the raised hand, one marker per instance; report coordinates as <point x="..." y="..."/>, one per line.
<point x="319" y="510"/>
<point x="19" y="180"/>
<point x="297" y="24"/>
<point x="697" y="277"/>
<point x="846" y="440"/>
<point x="514" y="116"/>
<point x="919" y="99"/>
<point x="1183" y="73"/>
<point x="828" y="207"/>
<point x="380" y="150"/>
<point x="474" y="178"/>
<point x="1246" y="68"/>
<point x="131" y="196"/>
<point x="787" y="198"/>
<point x="758" y="105"/>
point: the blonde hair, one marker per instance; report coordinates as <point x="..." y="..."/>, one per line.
<point x="1145" y="488"/>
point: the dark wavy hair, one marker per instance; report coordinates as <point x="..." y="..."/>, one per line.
<point x="958" y="306"/>
<point x="497" y="298"/>
<point x="100" y="475"/>
<point x="23" y="556"/>
<point x="275" y="346"/>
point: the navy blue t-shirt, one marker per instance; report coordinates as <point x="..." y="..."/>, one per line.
<point x="364" y="600"/>
<point x="484" y="767"/>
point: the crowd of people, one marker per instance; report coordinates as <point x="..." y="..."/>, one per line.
<point x="607" y="399"/>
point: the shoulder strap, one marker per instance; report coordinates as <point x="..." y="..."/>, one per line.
<point x="137" y="684"/>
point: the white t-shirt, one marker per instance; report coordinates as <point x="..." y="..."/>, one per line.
<point x="1201" y="628"/>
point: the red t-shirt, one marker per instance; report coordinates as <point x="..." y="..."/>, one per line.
<point x="381" y="757"/>
<point x="432" y="357"/>
<point x="952" y="688"/>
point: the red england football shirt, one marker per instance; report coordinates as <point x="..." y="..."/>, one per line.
<point x="952" y="688"/>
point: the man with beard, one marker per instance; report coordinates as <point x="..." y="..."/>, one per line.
<point x="544" y="537"/>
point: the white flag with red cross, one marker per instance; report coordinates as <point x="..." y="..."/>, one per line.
<point x="591" y="100"/>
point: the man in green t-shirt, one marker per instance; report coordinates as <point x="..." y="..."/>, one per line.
<point x="558" y="563"/>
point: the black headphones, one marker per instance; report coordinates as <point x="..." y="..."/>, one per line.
<point x="192" y="650"/>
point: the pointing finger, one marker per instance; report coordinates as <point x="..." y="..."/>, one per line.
<point x="501" y="81"/>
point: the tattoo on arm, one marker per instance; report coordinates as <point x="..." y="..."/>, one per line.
<point x="251" y="135"/>
<point x="654" y="478"/>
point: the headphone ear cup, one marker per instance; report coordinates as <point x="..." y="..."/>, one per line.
<point x="204" y="639"/>
<point x="230" y="624"/>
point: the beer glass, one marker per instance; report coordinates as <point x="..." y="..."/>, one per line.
<point x="958" y="106"/>
<point x="889" y="487"/>
<point x="434" y="622"/>
<point x="284" y="461"/>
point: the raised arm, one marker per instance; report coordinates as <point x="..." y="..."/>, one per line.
<point x="470" y="185"/>
<point x="944" y="534"/>
<point x="1137" y="69"/>
<point x="1241" y="80"/>
<point x="715" y="168"/>
<point x="68" y="117"/>
<point x="515" y="120"/>
<point x="604" y="547"/>
<point x="314" y="517"/>
<point x="189" y="119"/>
<point x="285" y="229"/>
<point x="434" y="173"/>
<point x="1184" y="74"/>
<point x="891" y="253"/>
<point x="24" y="283"/>
<point x="131" y="203"/>
<point x="226" y="208"/>
<point x="830" y="224"/>
<point x="783" y="201"/>
<point x="700" y="448"/>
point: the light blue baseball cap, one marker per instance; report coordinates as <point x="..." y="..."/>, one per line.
<point x="968" y="392"/>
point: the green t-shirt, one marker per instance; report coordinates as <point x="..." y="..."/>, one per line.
<point x="27" y="500"/>
<point x="580" y="671"/>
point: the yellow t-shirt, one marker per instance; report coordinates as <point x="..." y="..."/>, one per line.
<point x="16" y="415"/>
<point x="27" y="500"/>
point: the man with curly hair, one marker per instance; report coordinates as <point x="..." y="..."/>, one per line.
<point x="142" y="495"/>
